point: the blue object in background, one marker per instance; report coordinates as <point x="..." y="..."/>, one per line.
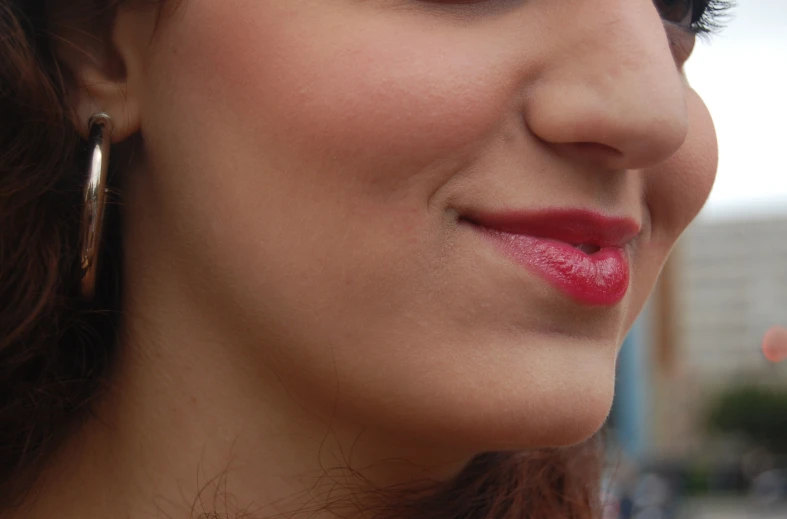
<point x="630" y="410"/>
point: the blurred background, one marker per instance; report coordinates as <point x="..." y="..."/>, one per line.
<point x="699" y="424"/>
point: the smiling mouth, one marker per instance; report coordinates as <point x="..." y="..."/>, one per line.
<point x="580" y="253"/>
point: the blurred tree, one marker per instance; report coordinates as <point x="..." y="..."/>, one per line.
<point x="759" y="414"/>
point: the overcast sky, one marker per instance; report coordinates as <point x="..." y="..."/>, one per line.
<point x="742" y="75"/>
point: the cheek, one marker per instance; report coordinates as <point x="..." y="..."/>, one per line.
<point x="675" y="193"/>
<point x="361" y="85"/>
<point x="677" y="190"/>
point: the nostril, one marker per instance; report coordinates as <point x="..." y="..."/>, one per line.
<point x="592" y="152"/>
<point x="596" y="148"/>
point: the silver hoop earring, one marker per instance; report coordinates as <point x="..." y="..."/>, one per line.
<point x="95" y="197"/>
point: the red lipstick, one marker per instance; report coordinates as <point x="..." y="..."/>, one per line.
<point x="581" y="253"/>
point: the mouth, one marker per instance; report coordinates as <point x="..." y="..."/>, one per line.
<point x="580" y="253"/>
<point x="587" y="248"/>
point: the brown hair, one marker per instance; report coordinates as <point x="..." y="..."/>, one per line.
<point x="55" y="349"/>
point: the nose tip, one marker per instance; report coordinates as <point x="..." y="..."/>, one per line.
<point x="633" y="124"/>
<point x="615" y="95"/>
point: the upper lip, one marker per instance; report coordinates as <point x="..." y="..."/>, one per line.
<point x="574" y="226"/>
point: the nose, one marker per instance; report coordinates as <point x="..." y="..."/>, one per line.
<point x="610" y="90"/>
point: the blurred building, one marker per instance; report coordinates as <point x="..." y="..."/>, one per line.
<point x="725" y="284"/>
<point x="731" y="286"/>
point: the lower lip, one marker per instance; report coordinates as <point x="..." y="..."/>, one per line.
<point x="598" y="279"/>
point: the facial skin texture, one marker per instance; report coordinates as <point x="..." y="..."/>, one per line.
<point x="295" y="270"/>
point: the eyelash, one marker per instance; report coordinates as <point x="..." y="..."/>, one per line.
<point x="710" y="15"/>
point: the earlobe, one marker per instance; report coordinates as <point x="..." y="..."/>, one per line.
<point x="111" y="97"/>
<point x="106" y="62"/>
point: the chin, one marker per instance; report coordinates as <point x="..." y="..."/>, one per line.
<point x="544" y="409"/>
<point x="566" y="401"/>
<point x="573" y="417"/>
<point x="583" y="421"/>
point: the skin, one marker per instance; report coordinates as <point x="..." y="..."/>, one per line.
<point x="298" y="292"/>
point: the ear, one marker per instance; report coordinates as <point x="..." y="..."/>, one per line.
<point x="106" y="58"/>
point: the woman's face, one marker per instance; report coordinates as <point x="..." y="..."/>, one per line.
<point x="380" y="198"/>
